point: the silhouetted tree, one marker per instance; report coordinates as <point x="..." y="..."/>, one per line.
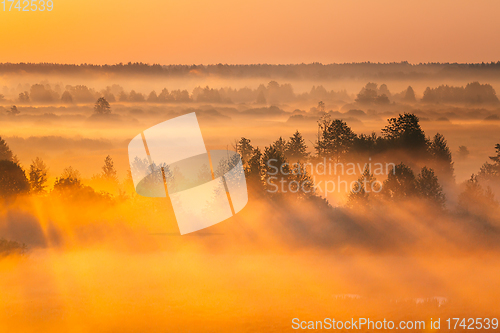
<point x="405" y="132"/>
<point x="491" y="171"/>
<point x="13" y="180"/>
<point x="368" y="94"/>
<point x="70" y="178"/>
<point x="70" y="187"/>
<point x="153" y="98"/>
<point x="296" y="149"/>
<point x="476" y="200"/>
<point x="13" y="111"/>
<point x="302" y="184"/>
<point x="66" y="97"/>
<point x="473" y="93"/>
<point x="207" y="95"/>
<point x="428" y="187"/>
<point x="321" y="107"/>
<point x="135" y="97"/>
<point x="463" y="152"/>
<point x="280" y="145"/>
<point x="441" y="154"/>
<point x="102" y="106"/>
<point x="24" y="97"/>
<point x="382" y="99"/>
<point x="496" y="159"/>
<point x="165" y="96"/>
<point x="365" y="143"/>
<point x="409" y="95"/>
<point x="181" y="96"/>
<point x="108" y="170"/>
<point x="82" y="94"/>
<point x="400" y="183"/>
<point x="43" y="93"/>
<point x="383" y="90"/>
<point x="363" y="189"/>
<point x="254" y="171"/>
<point x="245" y="149"/>
<point x="5" y="152"/>
<point x="38" y="176"/>
<point x="336" y="138"/>
<point x="275" y="165"/>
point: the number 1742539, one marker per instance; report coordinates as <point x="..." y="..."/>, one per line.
<point x="27" y="5"/>
<point x="472" y="323"/>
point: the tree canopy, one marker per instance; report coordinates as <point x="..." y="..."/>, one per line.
<point x="13" y="180"/>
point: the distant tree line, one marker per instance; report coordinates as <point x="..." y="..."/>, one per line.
<point x="394" y="70"/>
<point x="271" y="94"/>
<point x="473" y="93"/>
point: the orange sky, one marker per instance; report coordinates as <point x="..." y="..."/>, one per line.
<point x="253" y="31"/>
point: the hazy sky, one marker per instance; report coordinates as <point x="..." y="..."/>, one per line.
<point x="253" y="31"/>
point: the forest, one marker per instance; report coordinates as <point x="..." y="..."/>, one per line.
<point x="366" y="70"/>
<point x="422" y="176"/>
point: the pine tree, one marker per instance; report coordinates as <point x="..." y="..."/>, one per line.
<point x="409" y="95"/>
<point x="441" y="154"/>
<point x="254" y="170"/>
<point x="496" y="158"/>
<point x="296" y="149"/>
<point x="428" y="187"/>
<point x="245" y="149"/>
<point x="5" y="152"/>
<point x="276" y="168"/>
<point x="153" y="97"/>
<point x="280" y="145"/>
<point x="491" y="171"/>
